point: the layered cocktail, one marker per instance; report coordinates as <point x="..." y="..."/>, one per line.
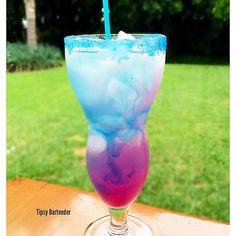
<point x="116" y="82"/>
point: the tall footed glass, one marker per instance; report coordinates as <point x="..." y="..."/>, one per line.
<point x="116" y="82"/>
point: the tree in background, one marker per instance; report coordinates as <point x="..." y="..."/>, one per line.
<point x="31" y="23"/>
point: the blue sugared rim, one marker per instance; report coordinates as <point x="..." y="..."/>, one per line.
<point x="143" y="43"/>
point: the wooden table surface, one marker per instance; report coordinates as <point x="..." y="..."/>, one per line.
<point x="25" y="196"/>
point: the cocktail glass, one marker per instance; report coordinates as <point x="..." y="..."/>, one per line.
<point x="116" y="82"/>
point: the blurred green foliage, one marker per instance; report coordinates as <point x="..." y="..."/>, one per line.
<point x="21" y="57"/>
<point x="193" y="27"/>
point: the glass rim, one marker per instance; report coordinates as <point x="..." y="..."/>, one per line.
<point x="143" y="43"/>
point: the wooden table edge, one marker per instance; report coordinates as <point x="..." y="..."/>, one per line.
<point x="95" y="195"/>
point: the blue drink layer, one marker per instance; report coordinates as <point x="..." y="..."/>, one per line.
<point x="116" y="81"/>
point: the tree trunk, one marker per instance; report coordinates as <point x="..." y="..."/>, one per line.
<point x="31" y="23"/>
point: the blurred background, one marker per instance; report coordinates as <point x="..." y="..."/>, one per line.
<point x="188" y="125"/>
<point x="193" y="27"/>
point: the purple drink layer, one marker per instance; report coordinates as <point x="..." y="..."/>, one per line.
<point x="118" y="165"/>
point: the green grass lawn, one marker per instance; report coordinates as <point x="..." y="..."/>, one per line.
<point x="188" y="131"/>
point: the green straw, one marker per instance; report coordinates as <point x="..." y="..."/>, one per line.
<point x="106" y="19"/>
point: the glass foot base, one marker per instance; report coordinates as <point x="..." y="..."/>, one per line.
<point x="136" y="227"/>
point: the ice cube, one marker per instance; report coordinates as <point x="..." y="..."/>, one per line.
<point x="127" y="134"/>
<point x="123" y="35"/>
<point x="96" y="143"/>
<point x="110" y="123"/>
<point x="121" y="96"/>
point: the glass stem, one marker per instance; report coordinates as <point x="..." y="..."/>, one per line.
<point x="118" y="221"/>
